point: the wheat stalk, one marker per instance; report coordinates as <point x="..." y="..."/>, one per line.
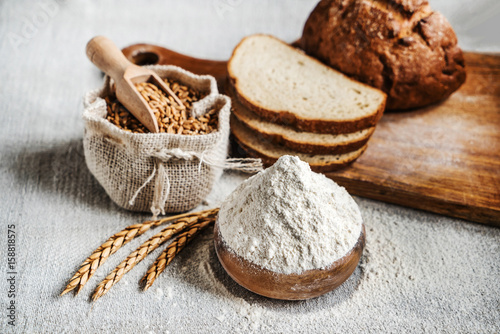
<point x="113" y="244"/>
<point x="171" y="251"/>
<point x="142" y="251"/>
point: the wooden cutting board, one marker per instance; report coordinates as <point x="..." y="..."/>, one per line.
<point x="444" y="158"/>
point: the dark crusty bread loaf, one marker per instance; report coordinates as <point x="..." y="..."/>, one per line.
<point x="304" y="142"/>
<point x="283" y="85"/>
<point x="257" y="146"/>
<point x="399" y="46"/>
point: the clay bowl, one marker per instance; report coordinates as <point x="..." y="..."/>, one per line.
<point x="308" y="284"/>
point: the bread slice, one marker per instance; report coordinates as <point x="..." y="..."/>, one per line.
<point x="258" y="147"/>
<point x="282" y="84"/>
<point x="305" y="142"/>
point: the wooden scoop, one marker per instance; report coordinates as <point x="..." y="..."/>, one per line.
<point x="308" y="284"/>
<point x="108" y="58"/>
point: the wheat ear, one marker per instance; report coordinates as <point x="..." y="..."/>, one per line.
<point x="114" y="243"/>
<point x="101" y="254"/>
<point x="171" y="251"/>
<point x="142" y="251"/>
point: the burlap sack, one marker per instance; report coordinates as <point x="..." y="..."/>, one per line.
<point x="158" y="172"/>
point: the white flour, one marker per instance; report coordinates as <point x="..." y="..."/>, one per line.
<point x="289" y="219"/>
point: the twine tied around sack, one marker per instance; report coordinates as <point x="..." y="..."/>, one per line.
<point x="162" y="181"/>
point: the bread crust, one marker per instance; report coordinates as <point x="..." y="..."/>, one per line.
<point x="303" y="147"/>
<point x="269" y="160"/>
<point x="399" y="46"/>
<point x="299" y="123"/>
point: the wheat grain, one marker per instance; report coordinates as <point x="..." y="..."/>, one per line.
<point x="171" y="112"/>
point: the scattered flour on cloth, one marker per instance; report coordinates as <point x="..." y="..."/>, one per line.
<point x="289" y="219"/>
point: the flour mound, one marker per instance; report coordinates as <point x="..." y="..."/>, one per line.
<point x="289" y="219"/>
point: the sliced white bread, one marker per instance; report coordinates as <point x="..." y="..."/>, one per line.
<point x="304" y="142"/>
<point x="258" y="147"/>
<point x="282" y="84"/>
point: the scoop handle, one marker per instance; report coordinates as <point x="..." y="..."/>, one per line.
<point x="104" y="54"/>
